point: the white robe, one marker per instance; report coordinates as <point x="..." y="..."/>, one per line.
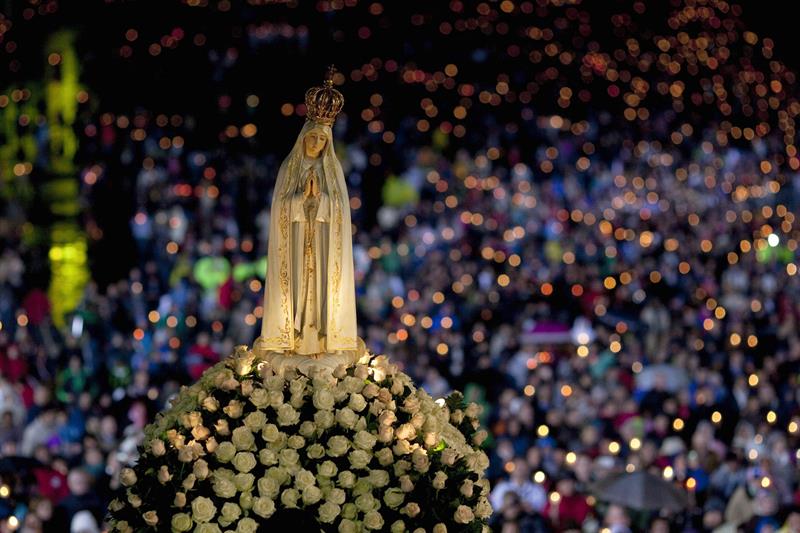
<point x="295" y="323"/>
<point x="309" y="300"/>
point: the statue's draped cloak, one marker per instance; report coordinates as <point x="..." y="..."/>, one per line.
<point x="333" y="248"/>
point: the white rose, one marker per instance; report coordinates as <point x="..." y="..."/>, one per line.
<point x="221" y="428"/>
<point x="324" y="419"/>
<point x="346" y="479"/>
<point x="323" y="400"/>
<point x="463" y="515"/>
<point x="188" y="482"/>
<point x="244" y="461"/>
<point x="328" y="512"/>
<point x="357" y="402"/>
<point x="373" y="520"/>
<point x="127" y="477"/>
<point x="264" y="507"/>
<point x="338" y="446"/>
<point x="352" y="384"/>
<point x="385" y="434"/>
<point x="384" y="456"/>
<point x="244" y="482"/>
<point x="387" y="418"/>
<point x="473" y="410"/>
<point x="359" y="459"/>
<point x="311" y="495"/>
<point x="440" y="528"/>
<point x="394" y="497"/>
<point x="347" y="526"/>
<point x="191" y="419"/>
<point x="405" y="431"/>
<point x="402" y="447"/>
<point x="370" y="390"/>
<point x="367" y="502"/>
<point x="274" y="383"/>
<point x="289" y="498"/>
<point x="364" y="440"/>
<point x="327" y="469"/>
<point x="337" y="496"/>
<point x="346" y="418"/>
<point x="203" y="509"/>
<point x="247" y="387"/>
<point x="179" y="500"/>
<point x="134" y="500"/>
<point x="210" y="404"/>
<point x="417" y="420"/>
<point x="116" y="505"/>
<point x="247" y="525"/>
<point x="479" y="437"/>
<point x="234" y="409"/>
<point x="225" y="452"/>
<point x="243" y="438"/>
<point x="449" y="456"/>
<point x="349" y="511"/>
<point x="186" y="454"/>
<point x="384" y="395"/>
<point x="406" y="485"/>
<point x="255" y="420"/>
<point x="158" y="448"/>
<point x="276" y="399"/>
<point x="467" y="488"/>
<point x="401" y="467"/>
<point x="223" y="486"/>
<point x="296" y="442"/>
<point x="379" y="478"/>
<point x="315" y="451"/>
<point x="483" y="508"/>
<point x="279" y="474"/>
<point x="411" y="404"/>
<point x="163" y="474"/>
<point x="181" y="522"/>
<point x="230" y="512"/>
<point x="270" y="433"/>
<point x="287" y="415"/>
<point x="397" y="387"/>
<point x="411" y="509"/>
<point x="259" y="398"/>
<point x="398" y="526"/>
<point x="307" y="429"/>
<point x="303" y="478"/>
<point x="246" y="498"/>
<point x="477" y="462"/>
<point x="268" y="487"/>
<point x="288" y="457"/>
<point x="420" y="460"/>
<point x="200" y="469"/>
<point x="267" y="457"/>
<point x="439" y="480"/>
<point x="150" y="518"/>
<point x="361" y="372"/>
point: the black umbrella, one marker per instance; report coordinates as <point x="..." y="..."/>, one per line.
<point x="640" y="491"/>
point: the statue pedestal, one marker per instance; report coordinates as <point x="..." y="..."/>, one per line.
<point x="309" y="364"/>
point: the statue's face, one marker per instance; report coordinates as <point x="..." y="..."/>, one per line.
<point x="314" y="142"/>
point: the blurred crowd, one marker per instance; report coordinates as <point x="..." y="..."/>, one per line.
<point x="619" y="302"/>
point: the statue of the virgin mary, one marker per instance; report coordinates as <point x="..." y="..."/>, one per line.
<point x="309" y="298"/>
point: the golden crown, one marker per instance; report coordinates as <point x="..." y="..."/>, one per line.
<point x="324" y="103"/>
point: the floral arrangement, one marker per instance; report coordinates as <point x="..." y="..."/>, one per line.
<point x="355" y="449"/>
